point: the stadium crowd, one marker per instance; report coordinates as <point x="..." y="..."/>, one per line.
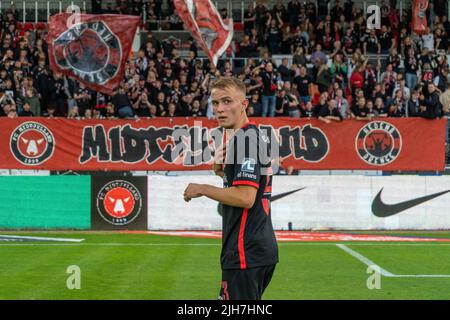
<point x="332" y="66"/>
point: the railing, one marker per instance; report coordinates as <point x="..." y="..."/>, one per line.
<point x="35" y="11"/>
<point x="30" y="11"/>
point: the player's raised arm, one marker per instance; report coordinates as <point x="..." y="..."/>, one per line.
<point x="238" y="196"/>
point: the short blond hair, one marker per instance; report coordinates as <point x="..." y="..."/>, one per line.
<point x="229" y="82"/>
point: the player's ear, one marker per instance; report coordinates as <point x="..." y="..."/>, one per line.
<point x="244" y="105"/>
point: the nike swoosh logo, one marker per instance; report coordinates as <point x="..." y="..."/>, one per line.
<point x="272" y="199"/>
<point x="284" y="194"/>
<point x="382" y="210"/>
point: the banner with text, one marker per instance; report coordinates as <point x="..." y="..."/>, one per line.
<point x="189" y="144"/>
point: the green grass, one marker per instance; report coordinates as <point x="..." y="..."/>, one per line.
<point x="134" y="266"/>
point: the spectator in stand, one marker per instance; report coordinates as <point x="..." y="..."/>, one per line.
<point x="73" y="113"/>
<point x="282" y="104"/>
<point x="51" y="112"/>
<point x="255" y="104"/>
<point x="357" y="78"/>
<point x="441" y="81"/>
<point x="284" y="70"/>
<point x="430" y="105"/>
<point x="360" y="111"/>
<point x="303" y="82"/>
<point x="293" y="12"/>
<point x="307" y="110"/>
<point x="33" y="101"/>
<point x="322" y="104"/>
<point x="246" y="48"/>
<point x="249" y="19"/>
<point x="371" y="44"/>
<point x="323" y="78"/>
<point x="397" y="106"/>
<point x="389" y="79"/>
<point x="379" y="108"/>
<point x="330" y="113"/>
<point x="273" y="33"/>
<point x="386" y="40"/>
<point x="413" y="105"/>
<point x="411" y="63"/>
<point x="318" y="54"/>
<point x="350" y="42"/>
<point x="269" y="79"/>
<point x="26" y="111"/>
<point x="142" y="106"/>
<point x="444" y="99"/>
<point x="83" y="98"/>
<point x="342" y="104"/>
<point x="122" y="104"/>
<point x="338" y="70"/>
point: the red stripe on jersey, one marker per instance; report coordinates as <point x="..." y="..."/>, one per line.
<point x="246" y="183"/>
<point x="265" y="204"/>
<point x="241" y="248"/>
<point x="268" y="189"/>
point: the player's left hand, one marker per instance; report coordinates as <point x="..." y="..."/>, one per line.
<point x="193" y="190"/>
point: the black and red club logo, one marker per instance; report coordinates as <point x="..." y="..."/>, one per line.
<point x="119" y="202"/>
<point x="31" y="143"/>
<point x="378" y="143"/>
<point x="91" y="50"/>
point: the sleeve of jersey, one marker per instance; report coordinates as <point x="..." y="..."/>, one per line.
<point x="247" y="170"/>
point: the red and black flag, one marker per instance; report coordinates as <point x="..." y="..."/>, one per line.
<point x="206" y="26"/>
<point x="94" y="49"/>
<point x="419" y="17"/>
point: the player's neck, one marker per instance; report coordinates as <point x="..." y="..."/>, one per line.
<point x="241" y="123"/>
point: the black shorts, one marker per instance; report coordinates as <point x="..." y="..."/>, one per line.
<point x="247" y="284"/>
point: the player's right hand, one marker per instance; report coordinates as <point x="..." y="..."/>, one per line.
<point x="219" y="159"/>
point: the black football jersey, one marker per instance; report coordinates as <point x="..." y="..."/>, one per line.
<point x="248" y="238"/>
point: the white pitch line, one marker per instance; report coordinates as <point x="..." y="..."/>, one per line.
<point x="108" y="244"/>
<point x="215" y="244"/>
<point x="384" y="272"/>
<point x="40" y="238"/>
<point x="363" y="259"/>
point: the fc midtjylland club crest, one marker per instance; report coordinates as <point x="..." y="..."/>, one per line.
<point x="119" y="202"/>
<point x="378" y="143"/>
<point x="90" y="50"/>
<point x="32" y="143"/>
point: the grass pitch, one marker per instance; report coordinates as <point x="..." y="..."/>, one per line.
<point x="140" y="266"/>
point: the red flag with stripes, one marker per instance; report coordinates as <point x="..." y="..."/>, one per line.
<point x="419" y="18"/>
<point x="93" y="49"/>
<point x="206" y="26"/>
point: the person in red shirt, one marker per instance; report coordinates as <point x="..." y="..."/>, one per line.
<point x="357" y="78"/>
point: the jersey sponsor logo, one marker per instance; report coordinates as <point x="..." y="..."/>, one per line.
<point x="246" y="175"/>
<point x="119" y="202"/>
<point x="378" y="143"/>
<point x="248" y="165"/>
<point x="32" y="143"/>
<point x="383" y="210"/>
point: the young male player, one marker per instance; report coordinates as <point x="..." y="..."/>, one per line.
<point x="249" y="248"/>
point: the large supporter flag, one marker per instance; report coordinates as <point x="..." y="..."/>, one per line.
<point x="93" y="49"/>
<point x="419" y="18"/>
<point x="206" y="26"/>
